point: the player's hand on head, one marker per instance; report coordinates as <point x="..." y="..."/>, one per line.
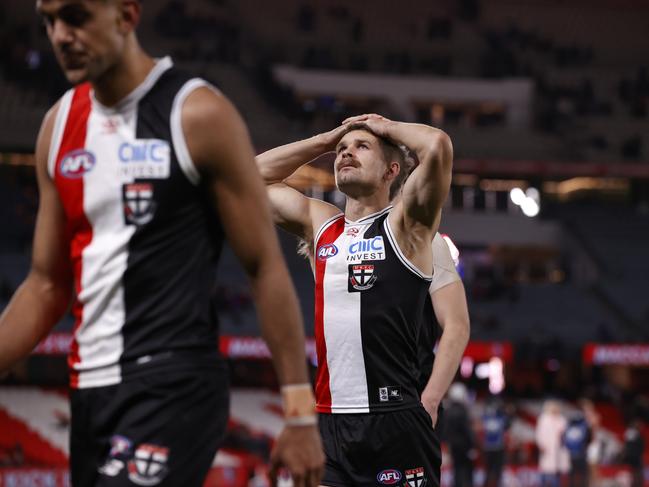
<point x="376" y="123"/>
<point x="364" y="118"/>
<point x="299" y="450"/>
<point x="332" y="137"/>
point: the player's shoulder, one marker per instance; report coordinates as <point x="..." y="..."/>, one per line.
<point x="323" y="214"/>
<point x="63" y="104"/>
<point x="213" y="129"/>
<point x="44" y="138"/>
<point x="48" y="122"/>
<point x="204" y="103"/>
<point x="204" y="107"/>
<point x="50" y="115"/>
<point x="173" y="84"/>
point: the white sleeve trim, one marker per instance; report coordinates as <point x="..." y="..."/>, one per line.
<point x="178" y="136"/>
<point x="397" y="250"/>
<point x="57" y="132"/>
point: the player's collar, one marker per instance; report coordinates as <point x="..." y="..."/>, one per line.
<point x="138" y="93"/>
<point x="369" y="218"/>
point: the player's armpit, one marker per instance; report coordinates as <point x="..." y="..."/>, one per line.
<point x="296" y="213"/>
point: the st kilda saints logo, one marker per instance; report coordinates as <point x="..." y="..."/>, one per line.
<point x="148" y="465"/>
<point x="361" y="277"/>
<point x="139" y="205"/>
<point x="415" y="477"/>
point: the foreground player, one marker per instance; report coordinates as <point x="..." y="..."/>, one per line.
<point x="137" y="194"/>
<point x="373" y="269"/>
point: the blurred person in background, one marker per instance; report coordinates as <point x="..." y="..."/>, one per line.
<point x="457" y="432"/>
<point x="596" y="449"/>
<point x="553" y="457"/>
<point x="495" y="423"/>
<point x="633" y="453"/>
<point x="576" y="439"/>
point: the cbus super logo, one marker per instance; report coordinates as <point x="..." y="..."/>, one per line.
<point x="389" y="477"/>
<point x="77" y="163"/>
<point x="326" y="251"/>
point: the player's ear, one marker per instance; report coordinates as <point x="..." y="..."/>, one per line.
<point x="392" y="171"/>
<point x="129" y="15"/>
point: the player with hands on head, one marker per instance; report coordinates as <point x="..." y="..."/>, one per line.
<point x="372" y="266"/>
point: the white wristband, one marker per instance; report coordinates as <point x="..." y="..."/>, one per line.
<point x="309" y="420"/>
<point x="295" y="387"/>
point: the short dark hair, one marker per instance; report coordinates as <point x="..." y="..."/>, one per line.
<point x="391" y="152"/>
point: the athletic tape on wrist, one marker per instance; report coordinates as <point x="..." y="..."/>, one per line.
<point x="298" y="401"/>
<point x="309" y="420"/>
<point x="295" y="387"/>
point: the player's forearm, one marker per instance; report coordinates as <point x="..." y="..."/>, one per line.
<point x="447" y="359"/>
<point x="35" y="308"/>
<point x="430" y="182"/>
<point x="277" y="164"/>
<point x="431" y="145"/>
<point x="281" y="322"/>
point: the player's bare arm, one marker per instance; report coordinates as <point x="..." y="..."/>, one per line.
<point x="292" y="210"/>
<point x="452" y="315"/>
<point x="44" y="296"/>
<point x="225" y="160"/>
<point x="416" y="216"/>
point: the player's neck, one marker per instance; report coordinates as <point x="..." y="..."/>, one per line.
<point x="124" y="77"/>
<point x="357" y="208"/>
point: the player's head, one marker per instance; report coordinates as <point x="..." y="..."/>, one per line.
<point x="89" y="37"/>
<point x="367" y="163"/>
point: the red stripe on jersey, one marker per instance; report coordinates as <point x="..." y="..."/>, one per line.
<point x="322" y="389"/>
<point x="70" y="188"/>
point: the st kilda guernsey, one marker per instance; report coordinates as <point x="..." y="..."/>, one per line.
<point x="143" y="236"/>
<point x="369" y="302"/>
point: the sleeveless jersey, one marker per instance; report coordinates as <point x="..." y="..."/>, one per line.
<point x="369" y="301"/>
<point x="143" y="237"/>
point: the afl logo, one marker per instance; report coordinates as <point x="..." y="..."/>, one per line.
<point x="389" y="477"/>
<point x="326" y="251"/>
<point x="76" y="163"/>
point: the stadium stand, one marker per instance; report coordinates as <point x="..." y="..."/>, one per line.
<point x="534" y="93"/>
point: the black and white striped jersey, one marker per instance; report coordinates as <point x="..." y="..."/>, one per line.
<point x="369" y="310"/>
<point x="143" y="237"/>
